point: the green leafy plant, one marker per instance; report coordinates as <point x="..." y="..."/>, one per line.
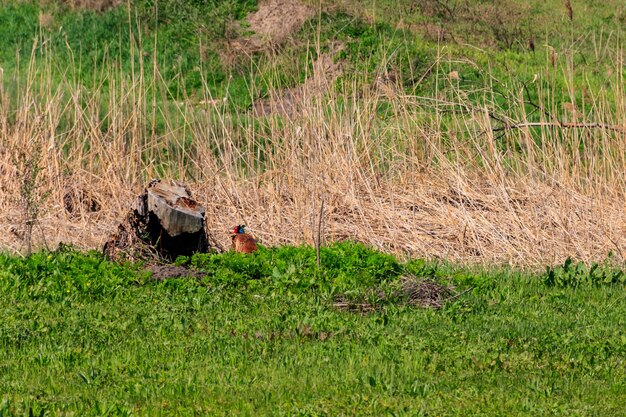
<point x="572" y="274"/>
<point x="123" y="344"/>
<point x="344" y="266"/>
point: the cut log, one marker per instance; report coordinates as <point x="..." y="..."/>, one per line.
<point x="176" y="211"/>
<point x="166" y="221"/>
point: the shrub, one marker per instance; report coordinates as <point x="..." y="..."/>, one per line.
<point x="345" y="265"/>
<point x="576" y="275"/>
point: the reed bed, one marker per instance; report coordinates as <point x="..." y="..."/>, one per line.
<point x="493" y="180"/>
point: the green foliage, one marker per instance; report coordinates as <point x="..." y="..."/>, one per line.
<point x="344" y="266"/>
<point x="63" y="276"/>
<point x="574" y="275"/>
<point x="89" y="40"/>
<point x="368" y="49"/>
<point x="80" y="335"/>
<point x="18" y="25"/>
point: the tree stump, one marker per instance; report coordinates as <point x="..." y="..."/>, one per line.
<point x="166" y="222"/>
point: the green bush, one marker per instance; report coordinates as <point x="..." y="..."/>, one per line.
<point x="64" y="275"/>
<point x="574" y="275"/>
<point x="345" y="265"/>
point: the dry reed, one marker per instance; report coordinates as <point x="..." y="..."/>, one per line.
<point x="435" y="177"/>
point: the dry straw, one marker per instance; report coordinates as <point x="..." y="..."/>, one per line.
<point x="436" y="177"/>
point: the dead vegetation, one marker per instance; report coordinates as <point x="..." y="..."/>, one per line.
<point x="274" y="22"/>
<point x="410" y="291"/>
<point x="425" y="181"/>
<point x="265" y="30"/>
<point x="291" y="101"/>
<point x="163" y="272"/>
<point x="97" y="5"/>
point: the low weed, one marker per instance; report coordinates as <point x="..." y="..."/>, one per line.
<point x="64" y="275"/>
<point x="345" y="266"/>
<point x="578" y="274"/>
<point x="80" y="335"/>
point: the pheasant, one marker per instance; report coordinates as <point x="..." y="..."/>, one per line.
<point x="242" y="241"/>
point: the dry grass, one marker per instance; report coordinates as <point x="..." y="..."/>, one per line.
<point x="98" y="5"/>
<point x="425" y="293"/>
<point x="432" y="179"/>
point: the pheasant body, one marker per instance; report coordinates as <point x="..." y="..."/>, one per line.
<point x="243" y="242"/>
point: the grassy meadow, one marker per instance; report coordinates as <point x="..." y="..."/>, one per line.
<point x="460" y="165"/>
<point x="262" y="335"/>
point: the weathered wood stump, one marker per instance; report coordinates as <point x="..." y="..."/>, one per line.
<point x="165" y="222"/>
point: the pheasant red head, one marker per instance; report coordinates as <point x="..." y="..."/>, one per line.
<point x="242" y="241"/>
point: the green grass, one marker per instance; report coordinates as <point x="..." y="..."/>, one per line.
<point x="81" y="335"/>
<point x="190" y="36"/>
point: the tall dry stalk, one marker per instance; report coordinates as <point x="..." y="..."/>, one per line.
<point x="437" y="176"/>
<point x="569" y="9"/>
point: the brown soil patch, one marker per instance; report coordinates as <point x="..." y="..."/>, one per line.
<point x="98" y="5"/>
<point x="277" y="19"/>
<point x="272" y="24"/>
<point x="291" y="100"/>
<point x="77" y="200"/>
<point x="425" y="293"/>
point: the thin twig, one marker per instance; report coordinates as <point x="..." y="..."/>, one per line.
<point x="319" y="236"/>
<point x="619" y="250"/>
<point x="459" y="294"/>
<point x="538" y="107"/>
<point x="562" y="125"/>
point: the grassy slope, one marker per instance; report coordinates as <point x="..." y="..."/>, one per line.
<point x="192" y="35"/>
<point x="81" y="335"/>
<point x="176" y="52"/>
